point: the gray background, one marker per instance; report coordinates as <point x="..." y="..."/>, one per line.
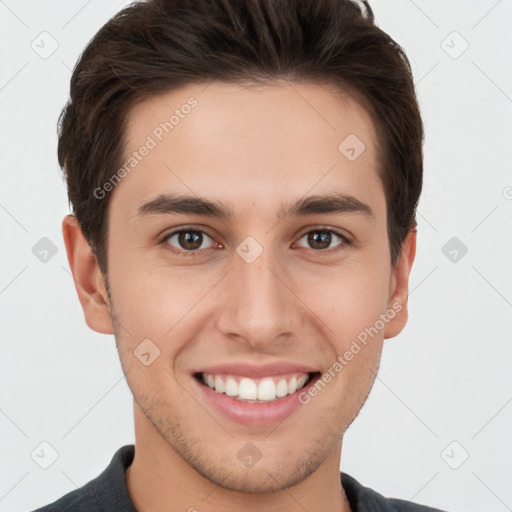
<point x="444" y="391"/>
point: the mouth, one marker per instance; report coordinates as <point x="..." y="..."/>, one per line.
<point x="255" y="395"/>
<point x="257" y="390"/>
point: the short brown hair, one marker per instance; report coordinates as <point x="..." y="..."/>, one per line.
<point x="153" y="47"/>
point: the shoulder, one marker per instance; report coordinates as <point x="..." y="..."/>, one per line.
<point x="408" y="506"/>
<point x="79" y="500"/>
<point x="365" y="499"/>
<point x="106" y="492"/>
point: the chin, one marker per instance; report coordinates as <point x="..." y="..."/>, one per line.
<point x="272" y="477"/>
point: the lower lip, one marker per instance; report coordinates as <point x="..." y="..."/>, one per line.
<point x="257" y="414"/>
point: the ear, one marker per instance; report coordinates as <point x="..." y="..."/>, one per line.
<point x="399" y="286"/>
<point x="89" y="282"/>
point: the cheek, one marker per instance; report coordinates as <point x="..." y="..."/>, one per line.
<point x="350" y="302"/>
<point x="154" y="302"/>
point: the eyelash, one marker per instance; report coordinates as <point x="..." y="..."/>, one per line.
<point x="324" y="229"/>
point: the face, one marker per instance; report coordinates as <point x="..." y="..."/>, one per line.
<point x="265" y="283"/>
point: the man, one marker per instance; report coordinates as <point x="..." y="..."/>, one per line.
<point x="244" y="177"/>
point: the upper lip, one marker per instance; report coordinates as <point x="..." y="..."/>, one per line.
<point x="249" y="370"/>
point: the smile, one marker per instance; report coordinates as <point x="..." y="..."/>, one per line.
<point x="251" y="390"/>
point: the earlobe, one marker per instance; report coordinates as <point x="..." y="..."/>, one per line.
<point x="89" y="282"/>
<point x="399" y="287"/>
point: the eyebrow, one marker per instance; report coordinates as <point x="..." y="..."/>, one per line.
<point x="332" y="203"/>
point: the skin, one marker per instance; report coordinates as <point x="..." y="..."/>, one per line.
<point x="250" y="148"/>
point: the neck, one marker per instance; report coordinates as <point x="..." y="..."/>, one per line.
<point x="160" y="480"/>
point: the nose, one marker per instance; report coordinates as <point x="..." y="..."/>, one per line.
<point x="258" y="304"/>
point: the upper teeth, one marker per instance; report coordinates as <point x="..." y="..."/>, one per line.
<point x="268" y="388"/>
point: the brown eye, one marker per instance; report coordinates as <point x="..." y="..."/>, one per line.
<point x="321" y="239"/>
<point x="187" y="240"/>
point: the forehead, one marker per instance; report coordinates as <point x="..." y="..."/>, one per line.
<point x="250" y="144"/>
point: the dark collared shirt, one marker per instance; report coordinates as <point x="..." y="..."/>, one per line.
<point x="108" y="493"/>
